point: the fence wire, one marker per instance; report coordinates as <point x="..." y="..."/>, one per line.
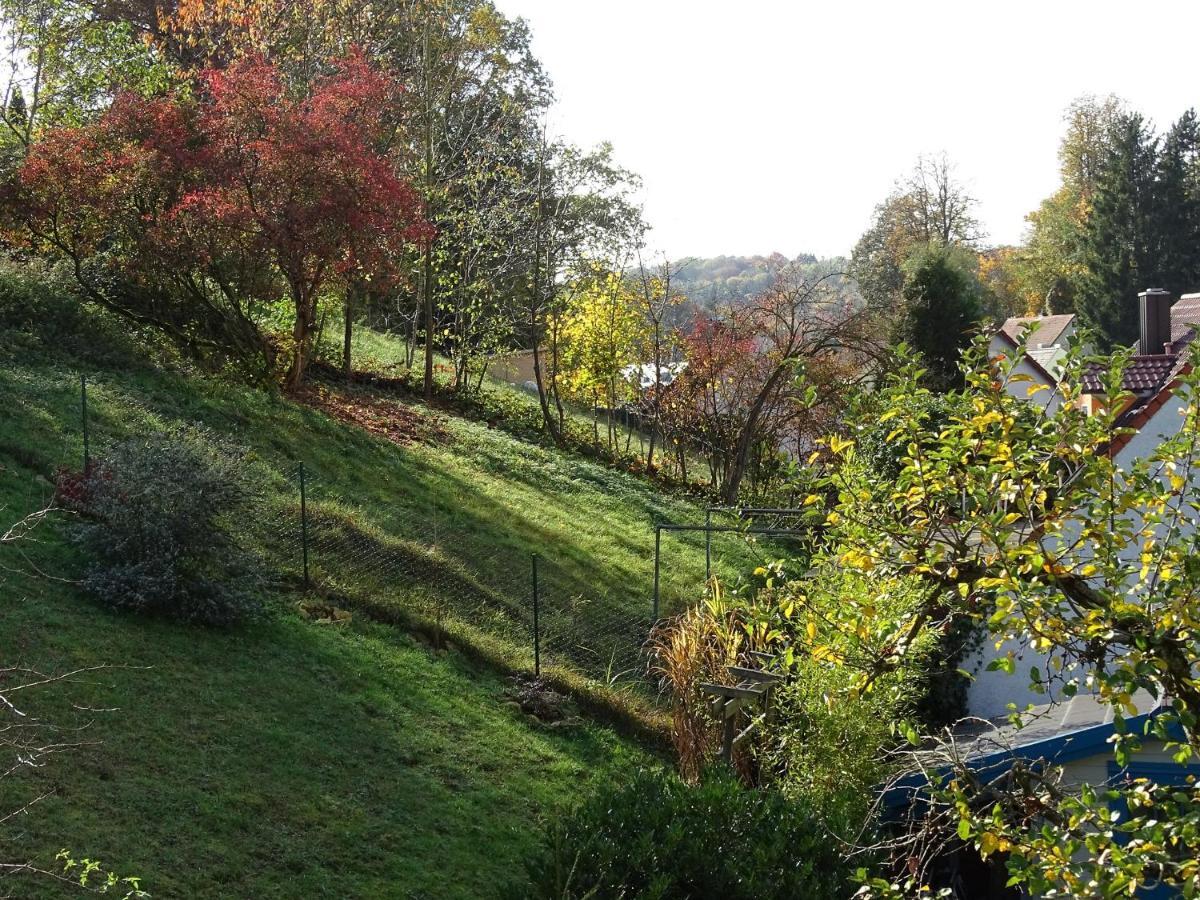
<point x="425" y="564"/>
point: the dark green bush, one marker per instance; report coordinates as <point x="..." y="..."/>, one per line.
<point x="159" y="515"/>
<point x="657" y="838"/>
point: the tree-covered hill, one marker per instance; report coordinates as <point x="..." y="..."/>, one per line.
<point x="717" y="279"/>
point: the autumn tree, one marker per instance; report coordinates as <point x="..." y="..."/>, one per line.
<point x="1052" y="264"/>
<point x="602" y="334"/>
<point x="193" y="215"/>
<point x="743" y="366"/>
<point x="999" y="274"/>
<point x="929" y="206"/>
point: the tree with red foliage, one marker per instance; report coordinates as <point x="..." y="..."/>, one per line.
<point x="197" y="215"/>
<point x="747" y="364"/>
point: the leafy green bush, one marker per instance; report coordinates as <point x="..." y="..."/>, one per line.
<point x="158" y="517"/>
<point x="657" y="838"/>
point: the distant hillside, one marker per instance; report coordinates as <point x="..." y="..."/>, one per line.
<point x="718" y="279"/>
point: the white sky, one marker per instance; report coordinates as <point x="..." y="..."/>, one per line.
<point x="760" y="126"/>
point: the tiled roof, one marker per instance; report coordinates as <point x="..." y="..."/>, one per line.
<point x="1184" y="314"/>
<point x="1138" y="416"/>
<point x="1144" y="374"/>
<point x="1048" y="331"/>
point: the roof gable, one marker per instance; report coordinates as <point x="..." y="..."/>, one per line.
<point x="1047" y="330"/>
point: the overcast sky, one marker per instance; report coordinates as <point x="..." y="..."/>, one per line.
<point x="760" y="126"/>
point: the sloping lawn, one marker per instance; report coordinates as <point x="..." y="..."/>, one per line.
<point x="285" y="759"/>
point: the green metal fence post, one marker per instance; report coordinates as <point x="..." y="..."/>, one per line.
<point x="537" y="631"/>
<point x="304" y="526"/>
<point x="87" y="457"/>
<point x="708" y="545"/>
<point x="657" y="548"/>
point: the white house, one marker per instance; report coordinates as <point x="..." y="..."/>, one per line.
<point x="1047" y="340"/>
<point x="1154" y="413"/>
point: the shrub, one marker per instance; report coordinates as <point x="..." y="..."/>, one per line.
<point x="658" y="838"/>
<point x="158" y="516"/>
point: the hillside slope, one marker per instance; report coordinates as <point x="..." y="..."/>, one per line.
<point x="288" y="758"/>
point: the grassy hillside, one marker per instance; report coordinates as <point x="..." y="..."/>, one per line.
<point x="288" y="758"/>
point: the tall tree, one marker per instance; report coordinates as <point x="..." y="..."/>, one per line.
<point x="583" y="212"/>
<point x="1120" y="239"/>
<point x="942" y="308"/>
<point x="1177" y="213"/>
<point x="1051" y="267"/>
<point x="929" y="206"/>
<point x="657" y="302"/>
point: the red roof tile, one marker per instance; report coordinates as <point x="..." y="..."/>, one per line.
<point x="1144" y="374"/>
<point x="1139" y="416"/>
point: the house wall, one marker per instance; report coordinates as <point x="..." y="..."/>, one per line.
<point x="1047" y="399"/>
<point x="1166" y="422"/>
<point x="991" y="692"/>
<point x="1096" y="770"/>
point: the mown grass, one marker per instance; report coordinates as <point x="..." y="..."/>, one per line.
<point x="286" y="758"/>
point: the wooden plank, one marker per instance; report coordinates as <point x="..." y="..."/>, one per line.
<point x="727" y="708"/>
<point x="755" y="675"/>
<point x="749" y="692"/>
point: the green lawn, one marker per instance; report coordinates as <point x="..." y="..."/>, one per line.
<point x="287" y="758"/>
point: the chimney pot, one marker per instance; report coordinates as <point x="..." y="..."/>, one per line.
<point x="1154" y="312"/>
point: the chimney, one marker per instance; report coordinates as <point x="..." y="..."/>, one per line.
<point x="1154" y="308"/>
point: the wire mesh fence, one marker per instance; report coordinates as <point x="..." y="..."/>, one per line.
<point x="429" y="565"/>
<point x="423" y="567"/>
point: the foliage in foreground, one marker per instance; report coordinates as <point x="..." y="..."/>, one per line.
<point x="157" y="530"/>
<point x="657" y="838"/>
<point x="1030" y="526"/>
<point x="816" y="748"/>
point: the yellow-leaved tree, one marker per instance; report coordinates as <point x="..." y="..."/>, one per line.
<point x="603" y="332"/>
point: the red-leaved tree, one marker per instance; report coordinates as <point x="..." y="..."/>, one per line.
<point x="762" y="374"/>
<point x="199" y="214"/>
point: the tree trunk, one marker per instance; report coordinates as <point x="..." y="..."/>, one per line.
<point x="540" y="381"/>
<point x="747" y="438"/>
<point x="301" y="332"/>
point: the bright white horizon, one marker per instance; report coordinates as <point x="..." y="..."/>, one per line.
<point x="763" y="126"/>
